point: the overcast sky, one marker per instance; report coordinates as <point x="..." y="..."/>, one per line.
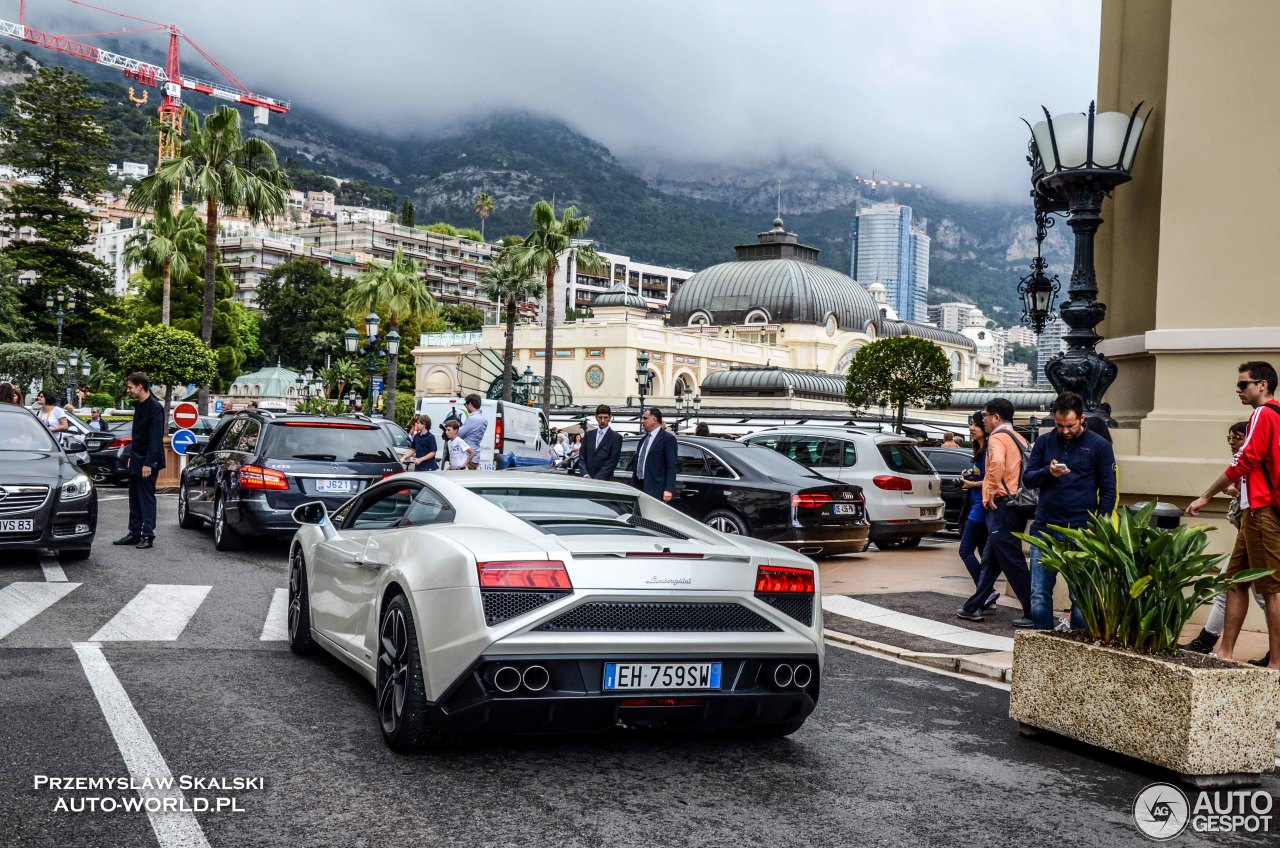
<point x="927" y="91"/>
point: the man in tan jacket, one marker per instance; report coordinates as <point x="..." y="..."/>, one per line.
<point x="1004" y="551"/>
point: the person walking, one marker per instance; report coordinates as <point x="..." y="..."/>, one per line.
<point x="423" y="448"/>
<point x="52" y="416"/>
<point x="145" y="458"/>
<point x="473" y="429"/>
<point x="1208" y="637"/>
<point x="1255" y="469"/>
<point x="1075" y="470"/>
<point x="973" y="519"/>
<point x="1002" y="480"/>
<point x="601" y="448"/>
<point x="655" y="469"/>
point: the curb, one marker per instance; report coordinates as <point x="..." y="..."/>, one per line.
<point x="970" y="665"/>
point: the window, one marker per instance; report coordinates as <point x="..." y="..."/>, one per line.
<point x="427" y="508"/>
<point x="324" y="441"/>
<point x="220" y="440"/>
<point x="950" y="462"/>
<point x="690" y="462"/>
<point x="716" y="468"/>
<point x="382" y="508"/>
<point x="904" y="459"/>
<point x="595" y="352"/>
<point x="814" y="451"/>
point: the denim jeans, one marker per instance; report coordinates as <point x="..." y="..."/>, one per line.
<point x="1003" y="554"/>
<point x="1042" y="582"/>
<point x="972" y="540"/>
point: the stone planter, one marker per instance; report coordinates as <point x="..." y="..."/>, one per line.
<point x="1211" y="722"/>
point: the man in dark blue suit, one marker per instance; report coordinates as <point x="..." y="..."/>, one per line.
<point x="655" y="468"/>
<point x="600" y="448"/>
<point x="145" y="455"/>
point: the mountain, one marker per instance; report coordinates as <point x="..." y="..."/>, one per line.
<point x="676" y="214"/>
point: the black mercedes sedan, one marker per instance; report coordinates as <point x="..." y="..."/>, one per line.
<point x="752" y="491"/>
<point x="46" y="501"/>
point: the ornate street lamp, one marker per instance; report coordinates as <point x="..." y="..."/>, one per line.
<point x="1039" y="289"/>
<point x="373" y="351"/>
<point x="697" y="407"/>
<point x="59" y="299"/>
<point x="642" y="376"/>
<point x="527" y="381"/>
<point x="1076" y="161"/>
<point x="73" y="366"/>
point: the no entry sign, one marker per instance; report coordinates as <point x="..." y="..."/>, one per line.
<point x="185" y="415"/>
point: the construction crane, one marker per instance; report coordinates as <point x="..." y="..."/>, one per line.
<point x="169" y="79"/>
<point x="874" y="182"/>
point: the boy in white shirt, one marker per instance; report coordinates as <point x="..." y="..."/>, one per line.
<point x="460" y="453"/>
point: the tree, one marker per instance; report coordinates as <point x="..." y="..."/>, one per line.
<point x="26" y="362"/>
<point x="53" y="135"/>
<point x="396" y="292"/>
<point x="510" y="286"/>
<point x="540" y="253"/>
<point x="170" y="357"/>
<point x="218" y="165"/>
<point x="342" y="375"/>
<point x="298" y="301"/>
<point x="14" y="324"/>
<point x="325" y="343"/>
<point x="484" y="208"/>
<point x="406" y="213"/>
<point x="1026" y="354"/>
<point x="464" y="317"/>
<point x="167" y="246"/>
<point x="898" y="372"/>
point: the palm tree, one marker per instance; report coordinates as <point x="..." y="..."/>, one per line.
<point x="342" y="374"/>
<point x="396" y="291"/>
<point x="540" y="253"/>
<point x="506" y="284"/>
<point x="161" y="248"/>
<point x="327" y="342"/>
<point x="218" y="165"/>
<point x="484" y="208"/>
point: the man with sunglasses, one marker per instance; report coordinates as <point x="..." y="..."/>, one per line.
<point x="1256" y="471"/>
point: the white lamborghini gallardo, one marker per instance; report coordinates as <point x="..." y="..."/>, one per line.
<point x="525" y="603"/>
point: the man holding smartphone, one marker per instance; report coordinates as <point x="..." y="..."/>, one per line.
<point x="1075" y="471"/>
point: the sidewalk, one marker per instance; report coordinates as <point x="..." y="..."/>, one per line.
<point x="902" y="603"/>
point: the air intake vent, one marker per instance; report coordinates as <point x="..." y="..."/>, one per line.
<point x="658" y="618"/>
<point x="500" y="606"/>
<point x="798" y="606"/>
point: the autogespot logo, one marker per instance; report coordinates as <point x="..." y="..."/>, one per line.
<point x="1161" y="811"/>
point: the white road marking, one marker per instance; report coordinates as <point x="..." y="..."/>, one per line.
<point x="156" y="614"/>
<point x="113" y="498"/>
<point x="52" y="569"/>
<point x="21" y="602"/>
<point x="276" y="627"/>
<point x="173" y="829"/>
<point x="914" y="624"/>
<point x="981" y="681"/>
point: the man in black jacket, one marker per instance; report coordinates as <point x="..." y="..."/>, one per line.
<point x="145" y="458"/>
<point x="655" y="468"/>
<point x="600" y="448"/>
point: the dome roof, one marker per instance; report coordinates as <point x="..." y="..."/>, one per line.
<point x="894" y="329"/>
<point x="789" y="291"/>
<point x="772" y="381"/>
<point x="620" y="295"/>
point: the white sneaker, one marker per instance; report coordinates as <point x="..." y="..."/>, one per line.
<point x="1063" y="624"/>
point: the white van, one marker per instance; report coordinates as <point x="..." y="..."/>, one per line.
<point x="516" y="436"/>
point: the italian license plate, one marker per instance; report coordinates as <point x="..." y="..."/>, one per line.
<point x="338" y="486"/>
<point x="18" y="525"/>
<point x="846" y="509"/>
<point x="932" y="512"/>
<point x="661" y="676"/>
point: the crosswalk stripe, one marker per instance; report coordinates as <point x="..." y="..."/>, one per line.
<point x="158" y="613"/>
<point x="21" y="602"/>
<point x="52" y="569"/>
<point x="914" y="624"/>
<point x="276" y="627"/>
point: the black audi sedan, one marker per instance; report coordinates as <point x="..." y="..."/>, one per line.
<point x="46" y="501"/>
<point x="258" y="465"/>
<point x="752" y="491"/>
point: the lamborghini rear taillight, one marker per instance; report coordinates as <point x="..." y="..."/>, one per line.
<point x="524" y="574"/>
<point x="778" y="579"/>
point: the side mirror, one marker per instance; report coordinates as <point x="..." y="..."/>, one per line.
<point x="73" y="444"/>
<point x="311" y="513"/>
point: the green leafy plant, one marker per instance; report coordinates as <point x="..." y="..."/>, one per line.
<point x="100" y="400"/>
<point x="1136" y="586"/>
<point x="321" y="406"/>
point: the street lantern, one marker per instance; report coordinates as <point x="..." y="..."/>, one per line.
<point x="57" y="300"/>
<point x="393" y="343"/>
<point x="372" y="351"/>
<point x="526" y="381"/>
<point x="642" y="375"/>
<point x="85" y="368"/>
<point x="309" y="374"/>
<point x="371" y="322"/>
<point x="1076" y="161"/>
<point x="697" y="406"/>
<point x="61" y="368"/>
<point x="351" y="340"/>
<point x="73" y="358"/>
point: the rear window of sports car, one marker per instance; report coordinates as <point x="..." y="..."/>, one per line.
<point x="535" y="501"/>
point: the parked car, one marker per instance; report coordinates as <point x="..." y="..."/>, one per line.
<point x="95" y="441"/>
<point x="747" y="491"/>
<point x="46" y="501"/>
<point x="903" y="492"/>
<point x="202" y="429"/>
<point x="529" y="603"/>
<point x="111" y="463"/>
<point x="259" y="465"/>
<point x="949" y="463"/>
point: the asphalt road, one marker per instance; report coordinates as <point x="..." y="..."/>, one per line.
<point x="894" y="755"/>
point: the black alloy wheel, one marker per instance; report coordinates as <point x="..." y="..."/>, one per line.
<point x="225" y="537"/>
<point x="300" y="641"/>
<point x="186" y="520"/>
<point x="401" y="690"/>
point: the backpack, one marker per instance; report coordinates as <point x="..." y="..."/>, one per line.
<point x="1025" y="501"/>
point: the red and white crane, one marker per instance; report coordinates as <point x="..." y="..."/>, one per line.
<point x="875" y="182"/>
<point x="169" y="79"/>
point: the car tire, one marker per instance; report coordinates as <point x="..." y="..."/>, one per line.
<point x="300" y="641"/>
<point x="99" y="477"/>
<point x="75" y="555"/>
<point x="401" y="693"/>
<point x="726" y="521"/>
<point x="225" y="537"/>
<point x="186" y="520"/>
<point x="913" y="542"/>
<point x="890" y="544"/>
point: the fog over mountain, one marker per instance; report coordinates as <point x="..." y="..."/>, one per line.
<point x="928" y="91"/>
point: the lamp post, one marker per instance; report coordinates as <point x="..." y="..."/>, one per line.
<point x="697" y="408"/>
<point x="527" y="381"/>
<point x="642" y="376"/>
<point x="59" y="299"/>
<point x="373" y="351"/>
<point x="71" y="369"/>
<point x="351" y="397"/>
<point x="1076" y="161"/>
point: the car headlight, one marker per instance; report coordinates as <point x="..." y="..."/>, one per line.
<point x="78" y="487"/>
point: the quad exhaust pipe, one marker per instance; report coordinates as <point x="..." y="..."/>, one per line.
<point x="535" y="678"/>
<point x="787" y="676"/>
<point x="508" y="678"/>
<point x="505" y="679"/>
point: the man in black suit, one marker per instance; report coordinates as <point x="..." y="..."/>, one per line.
<point x="146" y="458"/>
<point x="600" y="448"/>
<point x="655" y="468"/>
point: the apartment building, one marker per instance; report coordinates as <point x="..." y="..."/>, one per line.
<point x="577" y="288"/>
